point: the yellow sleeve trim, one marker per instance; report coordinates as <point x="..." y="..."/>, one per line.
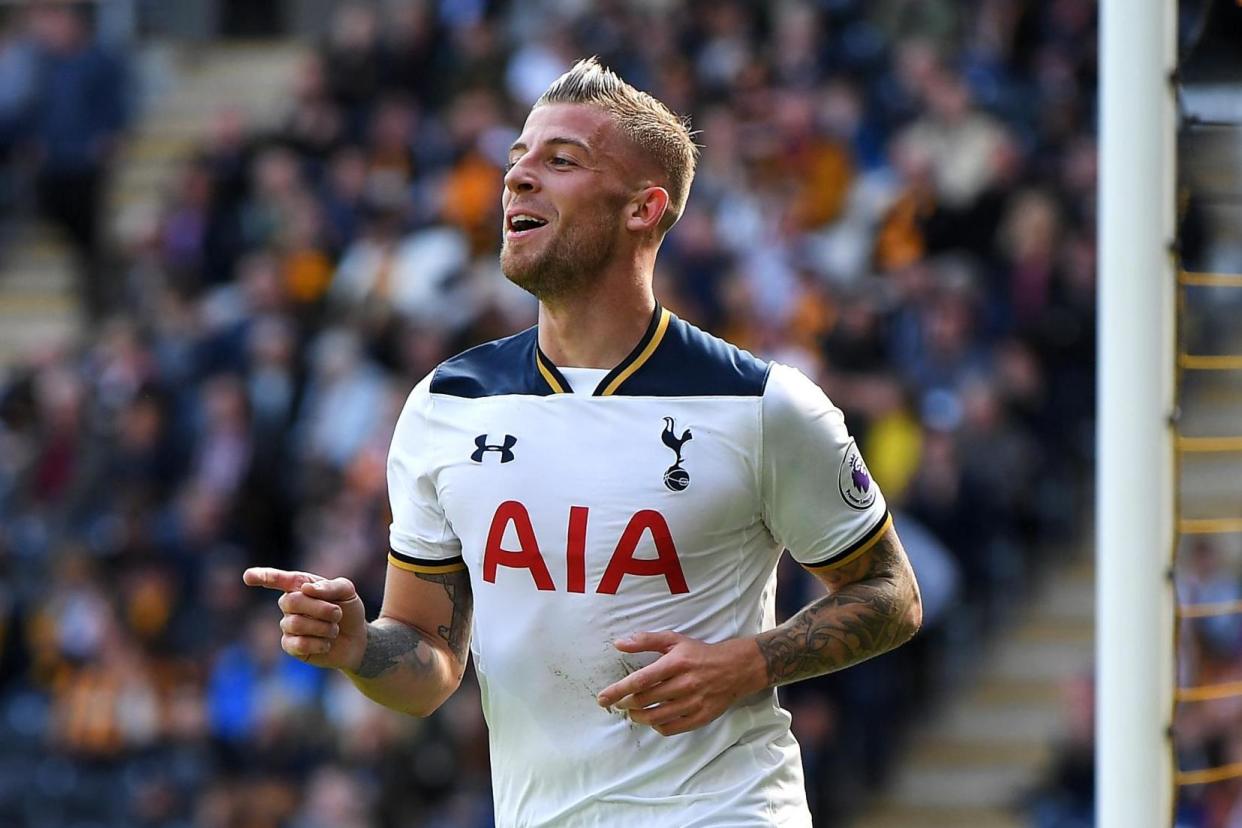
<point x="455" y="566"/>
<point x="860" y="551"/>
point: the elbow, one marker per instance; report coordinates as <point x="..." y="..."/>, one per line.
<point x="422" y="710"/>
<point x="904" y="612"/>
<point x="912" y="619"/>
<point x="423" y="707"/>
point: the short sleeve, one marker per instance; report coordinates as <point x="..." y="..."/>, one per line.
<point x="420" y="537"/>
<point x="819" y="500"/>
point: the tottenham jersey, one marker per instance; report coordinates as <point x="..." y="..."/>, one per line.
<point x="662" y="501"/>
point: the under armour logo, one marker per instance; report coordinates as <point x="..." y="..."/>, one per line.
<point x="506" y="450"/>
<point x="675" y="477"/>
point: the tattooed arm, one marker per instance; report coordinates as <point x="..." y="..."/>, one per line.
<point x="871" y="607"/>
<point x="808" y="504"/>
<point x="416" y="650"/>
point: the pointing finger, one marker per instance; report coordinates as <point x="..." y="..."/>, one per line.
<point x="281" y="579"/>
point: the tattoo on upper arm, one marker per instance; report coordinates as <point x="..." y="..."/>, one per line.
<point x="391" y="646"/>
<point x="457" y="632"/>
<point x="866" y="614"/>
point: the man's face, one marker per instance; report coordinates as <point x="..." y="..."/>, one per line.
<point x="566" y="171"/>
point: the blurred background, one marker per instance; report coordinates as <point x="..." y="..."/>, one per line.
<point x="233" y="235"/>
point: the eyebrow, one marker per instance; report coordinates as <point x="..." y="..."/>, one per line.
<point x="560" y="139"/>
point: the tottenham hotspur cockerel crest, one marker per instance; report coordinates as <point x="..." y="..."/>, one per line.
<point x="675" y="477"/>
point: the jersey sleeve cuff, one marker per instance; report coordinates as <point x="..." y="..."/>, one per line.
<point x="426" y="566"/>
<point x="855" y="549"/>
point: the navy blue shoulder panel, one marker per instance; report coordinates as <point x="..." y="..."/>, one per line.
<point x="692" y="363"/>
<point x="503" y="366"/>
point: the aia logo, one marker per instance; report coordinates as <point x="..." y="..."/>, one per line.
<point x="505" y="449"/>
<point x="513" y="517"/>
<point x="675" y="477"/>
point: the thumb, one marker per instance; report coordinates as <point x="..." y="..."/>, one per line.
<point x="648" y="642"/>
<point x="336" y="590"/>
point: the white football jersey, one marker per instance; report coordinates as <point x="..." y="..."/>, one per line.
<point x="662" y="501"/>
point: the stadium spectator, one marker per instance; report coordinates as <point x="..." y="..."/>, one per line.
<point x="18" y="65"/>
<point x="80" y="111"/>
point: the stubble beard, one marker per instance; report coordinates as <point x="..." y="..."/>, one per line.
<point x="571" y="259"/>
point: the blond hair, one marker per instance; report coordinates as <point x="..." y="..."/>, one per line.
<point x="654" y="129"/>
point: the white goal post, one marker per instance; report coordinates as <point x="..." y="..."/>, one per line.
<point x="1135" y="449"/>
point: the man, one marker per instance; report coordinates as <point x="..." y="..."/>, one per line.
<point x="615" y="488"/>
<point x="79" y="114"/>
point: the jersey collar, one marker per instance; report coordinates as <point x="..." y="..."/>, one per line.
<point x="625" y="369"/>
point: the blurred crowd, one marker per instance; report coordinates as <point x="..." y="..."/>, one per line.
<point x="1208" y="733"/>
<point x="897" y="196"/>
<point x="1207" y="730"/>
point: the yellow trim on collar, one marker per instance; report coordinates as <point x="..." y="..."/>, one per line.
<point x="661" y="328"/>
<point x="547" y="375"/>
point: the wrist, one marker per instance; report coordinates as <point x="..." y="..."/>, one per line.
<point x="355" y="654"/>
<point x="752" y="668"/>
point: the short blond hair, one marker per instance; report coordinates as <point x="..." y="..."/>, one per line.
<point x="654" y="129"/>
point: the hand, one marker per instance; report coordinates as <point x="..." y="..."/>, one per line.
<point x="689" y="685"/>
<point x="324" y="623"/>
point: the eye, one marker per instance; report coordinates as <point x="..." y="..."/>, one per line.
<point x="560" y="161"/>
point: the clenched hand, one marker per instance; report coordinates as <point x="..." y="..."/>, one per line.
<point x="324" y="622"/>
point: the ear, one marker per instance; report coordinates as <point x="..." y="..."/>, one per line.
<point x="646" y="209"/>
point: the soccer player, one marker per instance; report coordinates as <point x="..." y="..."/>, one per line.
<point x="594" y="509"/>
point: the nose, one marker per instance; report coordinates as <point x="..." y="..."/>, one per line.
<point x="521" y="177"/>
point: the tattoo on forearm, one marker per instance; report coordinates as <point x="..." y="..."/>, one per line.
<point x="867" y="615"/>
<point x="457" y="633"/>
<point x="389" y="647"/>
<point x="392" y="644"/>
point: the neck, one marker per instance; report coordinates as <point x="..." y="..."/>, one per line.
<point x="596" y="329"/>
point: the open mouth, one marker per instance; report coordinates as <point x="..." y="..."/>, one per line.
<point x="521" y="225"/>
